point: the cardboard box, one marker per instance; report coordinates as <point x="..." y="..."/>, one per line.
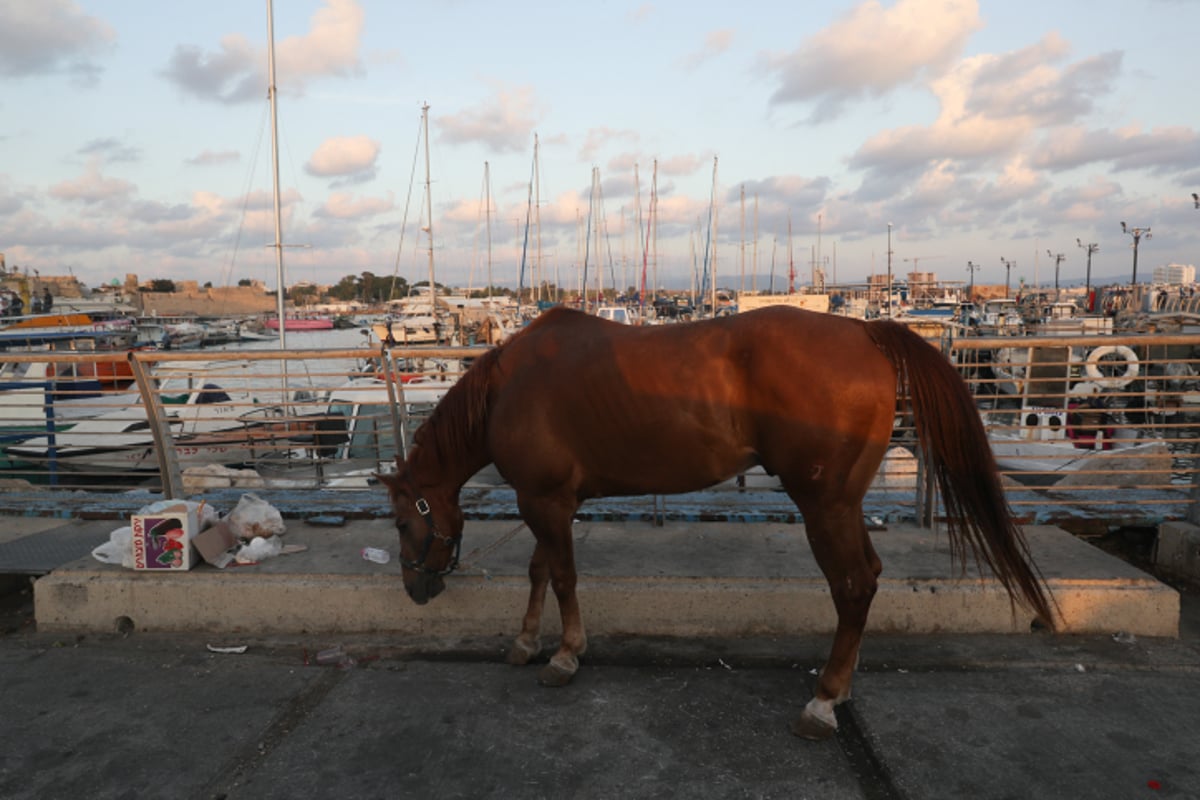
<point x="215" y="544"/>
<point x="163" y="540"/>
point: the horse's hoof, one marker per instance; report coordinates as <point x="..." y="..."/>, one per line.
<point x="522" y="653"/>
<point x="809" y="726"/>
<point x="559" y="671"/>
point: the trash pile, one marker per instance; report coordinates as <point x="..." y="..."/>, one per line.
<point x="177" y="534"/>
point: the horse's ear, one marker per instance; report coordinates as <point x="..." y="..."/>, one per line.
<point x="388" y="479"/>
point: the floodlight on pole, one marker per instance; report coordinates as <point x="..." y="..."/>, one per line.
<point x="1091" y="247"/>
<point x="1137" y="234"/>
<point x="1058" y="259"/>
<point x="889" y="278"/>
<point x="1008" y="265"/>
<point x="971" y="267"/>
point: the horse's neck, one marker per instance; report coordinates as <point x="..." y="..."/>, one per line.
<point x="449" y="471"/>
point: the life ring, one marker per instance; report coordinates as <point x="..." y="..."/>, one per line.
<point x="1105" y="356"/>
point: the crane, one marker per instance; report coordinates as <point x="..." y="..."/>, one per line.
<point x="916" y="259"/>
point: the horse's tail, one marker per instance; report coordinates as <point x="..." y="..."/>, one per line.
<point x="955" y="447"/>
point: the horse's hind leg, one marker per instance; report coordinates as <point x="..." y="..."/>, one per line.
<point x="553" y="564"/>
<point x="843" y="550"/>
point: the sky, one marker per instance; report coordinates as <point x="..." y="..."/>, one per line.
<point x="135" y="137"/>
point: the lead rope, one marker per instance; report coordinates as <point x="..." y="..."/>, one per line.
<point x="469" y="562"/>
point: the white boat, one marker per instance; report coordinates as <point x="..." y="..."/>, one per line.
<point x="351" y="433"/>
<point x="209" y="424"/>
<point x="1079" y="444"/>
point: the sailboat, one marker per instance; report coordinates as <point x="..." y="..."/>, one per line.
<point x="417" y="321"/>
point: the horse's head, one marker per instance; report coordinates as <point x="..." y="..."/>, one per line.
<point x="430" y="525"/>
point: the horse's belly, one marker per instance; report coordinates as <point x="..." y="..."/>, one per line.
<point x="664" y="474"/>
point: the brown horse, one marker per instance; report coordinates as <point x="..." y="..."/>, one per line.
<point x="575" y="407"/>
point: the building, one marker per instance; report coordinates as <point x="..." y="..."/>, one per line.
<point x="1175" y="274"/>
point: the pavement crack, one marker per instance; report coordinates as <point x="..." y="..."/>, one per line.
<point x="874" y="778"/>
<point x="250" y="757"/>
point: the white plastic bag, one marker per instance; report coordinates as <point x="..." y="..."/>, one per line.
<point x="118" y="549"/>
<point x="259" y="549"/>
<point x="253" y="517"/>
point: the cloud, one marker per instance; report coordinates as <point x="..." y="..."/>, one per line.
<point x="1024" y="84"/>
<point x="209" y="158"/>
<point x="599" y="137"/>
<point x="237" y="71"/>
<point x="340" y="205"/>
<point x="991" y="107"/>
<point x="344" y="156"/>
<point x="871" y="51"/>
<point x="92" y="188"/>
<point x="47" y="37"/>
<point x="1162" y="151"/>
<point x="715" y="43"/>
<point x="504" y="123"/>
<point x="111" y="149"/>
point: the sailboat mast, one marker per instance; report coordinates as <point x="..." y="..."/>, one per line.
<point x="537" y="219"/>
<point x="487" y="185"/>
<point x="429" y="212"/>
<point x="271" y="94"/>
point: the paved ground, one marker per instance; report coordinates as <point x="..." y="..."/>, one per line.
<point x="158" y="715"/>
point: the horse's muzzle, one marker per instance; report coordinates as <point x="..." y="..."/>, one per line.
<point x="422" y="587"/>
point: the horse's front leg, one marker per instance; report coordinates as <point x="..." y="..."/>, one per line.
<point x="553" y="565"/>
<point x="565" y="662"/>
<point x="528" y="643"/>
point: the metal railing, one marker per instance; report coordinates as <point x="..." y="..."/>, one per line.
<point x="1092" y="427"/>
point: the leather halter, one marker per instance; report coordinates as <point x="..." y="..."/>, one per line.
<point x="422" y="506"/>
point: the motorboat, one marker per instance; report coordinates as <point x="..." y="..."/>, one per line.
<point x="208" y="423"/>
<point x="1083" y="438"/>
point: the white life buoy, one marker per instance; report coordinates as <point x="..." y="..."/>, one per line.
<point x="1113" y="358"/>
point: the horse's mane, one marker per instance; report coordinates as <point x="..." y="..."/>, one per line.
<point x="459" y="421"/>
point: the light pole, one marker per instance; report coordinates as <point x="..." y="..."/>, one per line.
<point x="1058" y="259"/>
<point x="1008" y="265"/>
<point x="971" y="267"/>
<point x="889" y="283"/>
<point x="1137" y="234"/>
<point x="1091" y="248"/>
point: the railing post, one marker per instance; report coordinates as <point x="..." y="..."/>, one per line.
<point x="160" y="429"/>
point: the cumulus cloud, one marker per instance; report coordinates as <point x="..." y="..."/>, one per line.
<point x="92" y="187"/>
<point x="49" y="37"/>
<point x="1025" y="83"/>
<point x="237" y="71"/>
<point x="872" y="50"/>
<point x="504" y="123"/>
<point x="344" y="156"/>
<point x="990" y="110"/>
<point x="1162" y="150"/>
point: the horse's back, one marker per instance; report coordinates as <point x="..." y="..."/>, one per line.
<point x="626" y="409"/>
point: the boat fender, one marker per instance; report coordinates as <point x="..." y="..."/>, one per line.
<point x="1112" y="381"/>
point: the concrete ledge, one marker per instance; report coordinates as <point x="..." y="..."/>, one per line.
<point x="1177" y="550"/>
<point x="685" y="579"/>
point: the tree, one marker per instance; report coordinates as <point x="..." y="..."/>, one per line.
<point x="162" y="285"/>
<point x="245" y="282"/>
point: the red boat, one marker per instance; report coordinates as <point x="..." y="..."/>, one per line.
<point x="301" y="323"/>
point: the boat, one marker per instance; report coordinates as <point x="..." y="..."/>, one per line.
<point x="301" y="323"/>
<point x="1083" y="442"/>
<point x="208" y="423"/>
<point x="349" y="432"/>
